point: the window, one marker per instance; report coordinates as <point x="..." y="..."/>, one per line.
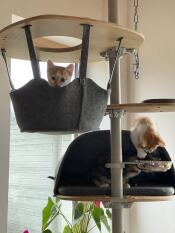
<point x="33" y="157"/>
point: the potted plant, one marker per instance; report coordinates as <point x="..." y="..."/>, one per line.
<point x="86" y="216"/>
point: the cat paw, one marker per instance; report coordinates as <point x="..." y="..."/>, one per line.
<point x="141" y="154"/>
<point x="126" y="186"/>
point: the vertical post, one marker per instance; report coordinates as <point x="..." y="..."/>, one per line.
<point x="33" y="58"/>
<point x="116" y="150"/>
<point x="113" y="15"/>
<point x="74" y="203"/>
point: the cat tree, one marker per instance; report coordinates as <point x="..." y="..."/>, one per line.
<point x="103" y="37"/>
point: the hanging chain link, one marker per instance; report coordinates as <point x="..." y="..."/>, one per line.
<point x="136" y="16"/>
<point x="136" y="65"/>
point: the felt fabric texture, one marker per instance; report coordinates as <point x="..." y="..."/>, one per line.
<point x="75" y="107"/>
<point x="80" y="160"/>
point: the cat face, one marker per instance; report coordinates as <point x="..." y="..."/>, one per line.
<point x="59" y="76"/>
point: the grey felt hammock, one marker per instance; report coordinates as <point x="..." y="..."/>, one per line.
<point x="79" y="106"/>
<point x="75" y="107"/>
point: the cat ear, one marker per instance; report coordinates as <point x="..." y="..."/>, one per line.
<point x="70" y="69"/>
<point x="50" y="64"/>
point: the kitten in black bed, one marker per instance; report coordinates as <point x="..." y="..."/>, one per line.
<point x="145" y="138"/>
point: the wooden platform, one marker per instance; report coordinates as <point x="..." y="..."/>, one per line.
<point x="126" y="199"/>
<point x="143" y="107"/>
<point x="103" y="36"/>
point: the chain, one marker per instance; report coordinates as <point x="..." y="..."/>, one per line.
<point x="136" y="16"/>
<point x="136" y="65"/>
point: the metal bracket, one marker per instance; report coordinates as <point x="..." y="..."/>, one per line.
<point x="115" y="165"/>
<point x="116" y="113"/>
<point x="129" y="51"/>
<point x="117" y="203"/>
<point x="127" y="205"/>
<point x="111" y="53"/>
<point x="113" y="205"/>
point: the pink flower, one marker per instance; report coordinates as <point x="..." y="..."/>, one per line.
<point x="97" y="204"/>
<point x="25" y="231"/>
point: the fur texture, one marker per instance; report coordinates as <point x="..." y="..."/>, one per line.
<point x="59" y="76"/>
<point x="145" y="137"/>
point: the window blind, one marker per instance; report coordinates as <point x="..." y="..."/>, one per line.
<point x="33" y="157"/>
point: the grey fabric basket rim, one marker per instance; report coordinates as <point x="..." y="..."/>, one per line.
<point x="57" y="88"/>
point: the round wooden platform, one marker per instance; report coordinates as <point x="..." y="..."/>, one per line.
<point x="102" y="37"/>
<point x="143" y="107"/>
<point x="126" y="199"/>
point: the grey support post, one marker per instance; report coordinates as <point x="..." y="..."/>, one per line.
<point x="116" y="151"/>
<point x="116" y="154"/>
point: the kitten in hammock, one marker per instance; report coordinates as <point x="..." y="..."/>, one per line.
<point x="145" y="138"/>
<point x="59" y="76"/>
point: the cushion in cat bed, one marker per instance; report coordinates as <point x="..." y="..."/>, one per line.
<point x="81" y="157"/>
<point x="75" y="107"/>
<point x="134" y="191"/>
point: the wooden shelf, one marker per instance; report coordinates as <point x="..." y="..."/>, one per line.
<point x="143" y="107"/>
<point x="126" y="199"/>
<point x="102" y="37"/>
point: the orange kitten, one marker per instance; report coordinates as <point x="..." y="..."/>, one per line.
<point x="145" y="137"/>
<point x="59" y="76"/>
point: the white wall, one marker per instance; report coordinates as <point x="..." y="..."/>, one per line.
<point x="4" y="129"/>
<point x="157" y="60"/>
<point x="91" y="8"/>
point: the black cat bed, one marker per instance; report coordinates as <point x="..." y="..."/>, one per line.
<point x="74" y="176"/>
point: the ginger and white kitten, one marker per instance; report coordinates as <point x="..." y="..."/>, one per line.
<point x="59" y="76"/>
<point x="145" y="137"/>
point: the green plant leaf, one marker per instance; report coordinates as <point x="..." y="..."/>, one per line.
<point x="57" y="199"/>
<point x="75" y="228"/>
<point x="96" y="214"/>
<point x="46" y="213"/>
<point x="108" y="213"/>
<point x="50" y="212"/>
<point x="105" y="222"/>
<point x="53" y="211"/>
<point x="47" y="231"/>
<point x="79" y="211"/>
<point x="67" y="229"/>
